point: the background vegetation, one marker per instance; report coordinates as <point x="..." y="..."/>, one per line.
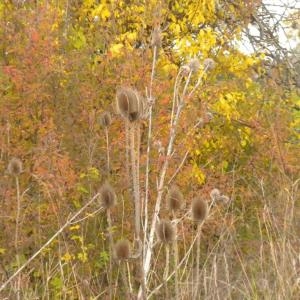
<point x="61" y="64"/>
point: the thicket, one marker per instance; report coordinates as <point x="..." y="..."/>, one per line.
<point x="143" y="155"/>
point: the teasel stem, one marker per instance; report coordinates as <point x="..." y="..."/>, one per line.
<point x="175" y="249"/>
<point x="166" y="271"/>
<point x="125" y="280"/>
<point x="129" y="279"/>
<point x="142" y="291"/>
<point x="175" y="95"/>
<point x="148" y="254"/>
<point x="150" y="101"/>
<point x="127" y="149"/>
<point x="138" y="138"/>
<point x="137" y="203"/>
<point x="198" y="242"/>
<point x="17" y="235"/>
<point x="135" y="181"/>
<point x="107" y="150"/>
<point x="111" y="249"/>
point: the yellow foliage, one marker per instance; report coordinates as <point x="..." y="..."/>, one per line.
<point x="115" y="49"/>
<point x="67" y="257"/>
<point x="198" y="174"/>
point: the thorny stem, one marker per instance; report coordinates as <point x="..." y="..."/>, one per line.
<point x="175" y="95"/>
<point x="127" y="150"/>
<point x="161" y="182"/>
<point x="150" y="101"/>
<point x="166" y="271"/>
<point x="107" y="149"/>
<point x="111" y="244"/>
<point x="175" y="250"/>
<point x="137" y="203"/>
<point x="198" y="260"/>
<point x="135" y="182"/>
<point x="17" y="235"/>
<point x="178" y="266"/>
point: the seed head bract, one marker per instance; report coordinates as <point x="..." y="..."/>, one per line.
<point x="199" y="209"/>
<point x="122" y="249"/>
<point x="165" y="231"/>
<point x="107" y="196"/>
<point x="14" y="166"/>
<point x="175" y="198"/>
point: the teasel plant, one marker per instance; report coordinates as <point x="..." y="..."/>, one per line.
<point x="15" y="169"/>
<point x="132" y="107"/>
<point x="175" y="203"/>
<point x="184" y="89"/>
<point x="122" y="253"/>
<point x="166" y="235"/>
<point x="105" y="121"/>
<point x="108" y="200"/>
<point x="199" y="212"/>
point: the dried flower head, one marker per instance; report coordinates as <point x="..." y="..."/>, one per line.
<point x="209" y="116"/>
<point x="194" y="64"/>
<point x="156" y="37"/>
<point x="129" y="104"/>
<point x="209" y="64"/>
<point x="165" y="231"/>
<point x="199" y="209"/>
<point x="108" y="197"/>
<point x="185" y="70"/>
<point x="215" y="194"/>
<point x="105" y="119"/>
<point x="14" y="166"/>
<point x="224" y="198"/>
<point x="122" y="249"/>
<point x="175" y="198"/>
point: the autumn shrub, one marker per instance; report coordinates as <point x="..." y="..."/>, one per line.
<point x="144" y="122"/>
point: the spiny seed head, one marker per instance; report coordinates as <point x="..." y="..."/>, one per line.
<point x="14" y="166"/>
<point x="185" y="70"/>
<point x="108" y="197"/>
<point x="224" y="198"/>
<point x="199" y="209"/>
<point x="165" y="231"/>
<point x="215" y="194"/>
<point x="105" y="119"/>
<point x="175" y="198"/>
<point x="156" y="37"/>
<point x="209" y="64"/>
<point x="194" y="64"/>
<point x="129" y="104"/>
<point x="122" y="249"/>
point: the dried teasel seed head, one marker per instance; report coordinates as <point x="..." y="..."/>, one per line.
<point x="175" y="199"/>
<point x="165" y="231"/>
<point x="122" y="249"/>
<point x="185" y="70"/>
<point x="107" y="196"/>
<point x="215" y="194"/>
<point x="209" y="64"/>
<point x="224" y="198"/>
<point x="199" y="209"/>
<point x="105" y="119"/>
<point x="14" y="166"/>
<point x="130" y="104"/>
<point x="194" y="64"/>
<point x="156" y="37"/>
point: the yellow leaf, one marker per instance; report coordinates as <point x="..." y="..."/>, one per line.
<point x="75" y="227"/>
<point x="67" y="257"/>
<point x="115" y="49"/>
